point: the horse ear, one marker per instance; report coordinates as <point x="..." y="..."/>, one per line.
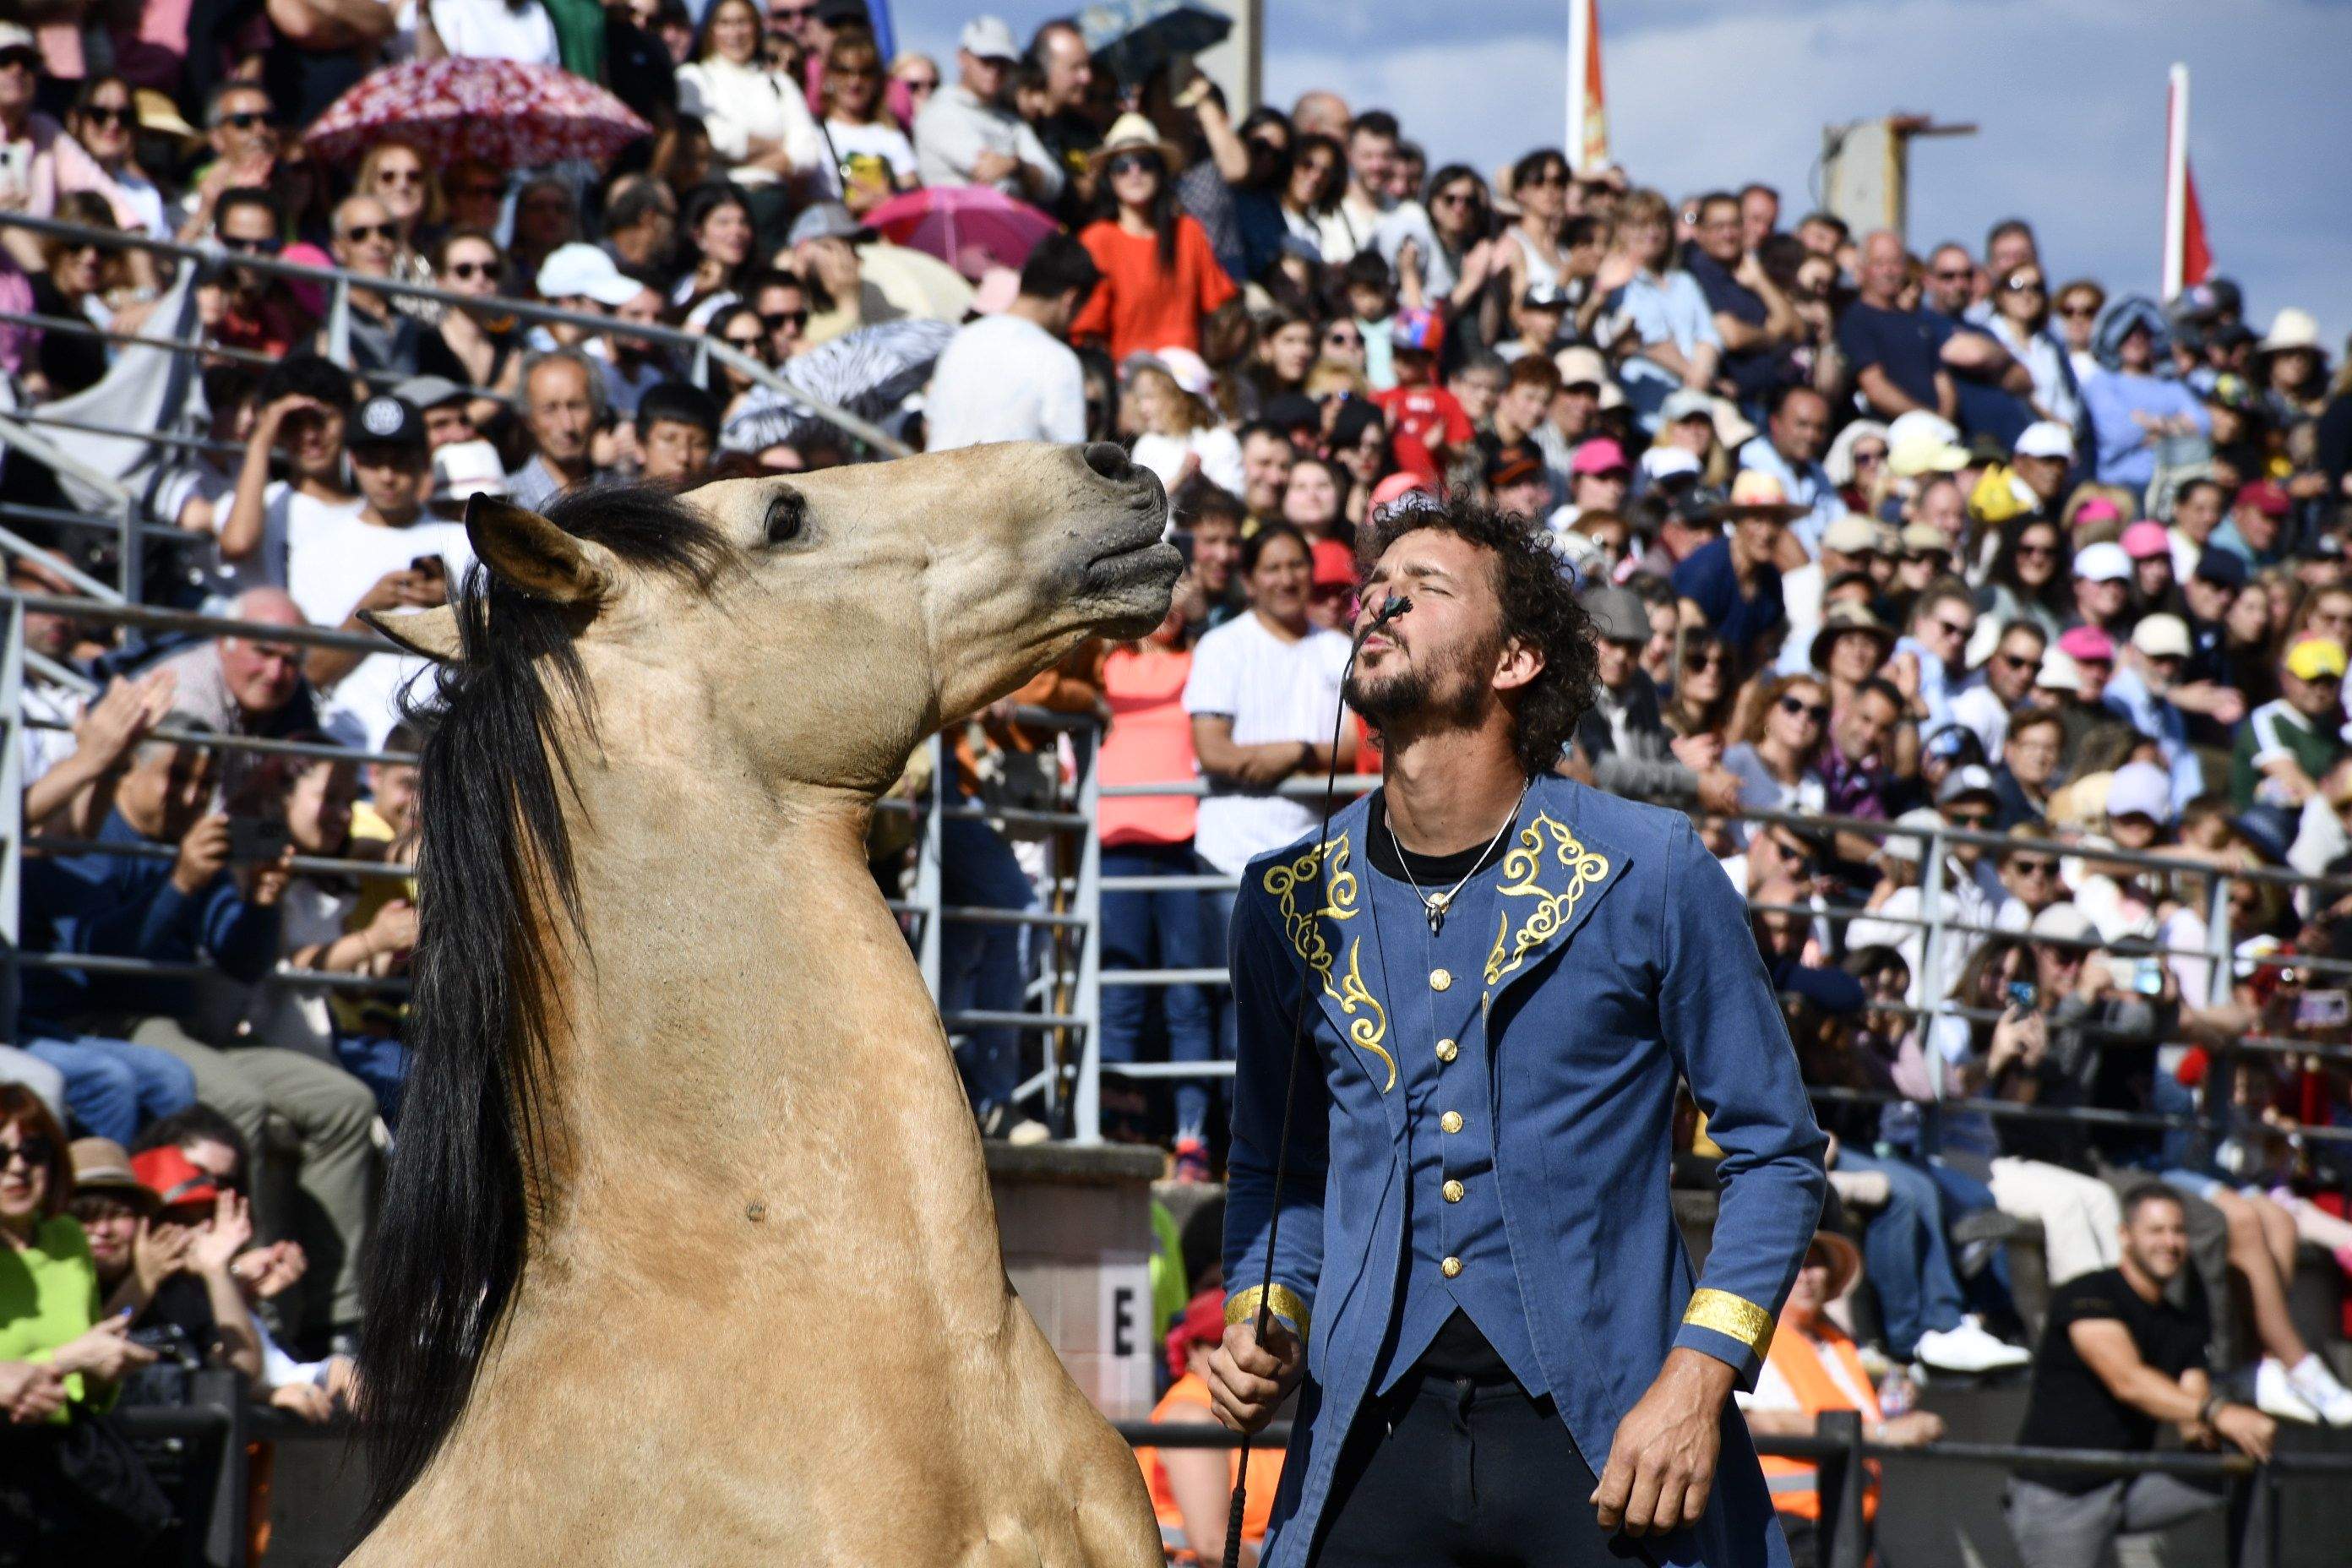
<point x="529" y="553"/>
<point x="430" y="633"/>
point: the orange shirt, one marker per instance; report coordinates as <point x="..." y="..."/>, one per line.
<point x="1150" y="741"/>
<point x="1265" y="1475"/>
<point x="1140" y="305"/>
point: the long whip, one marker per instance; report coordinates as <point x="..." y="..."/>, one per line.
<point x="1395" y="605"/>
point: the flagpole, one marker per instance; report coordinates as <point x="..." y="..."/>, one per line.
<point x="1580" y="54"/>
<point x="2176" y="181"/>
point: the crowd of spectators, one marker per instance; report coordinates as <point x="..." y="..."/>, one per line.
<point x="1878" y="543"/>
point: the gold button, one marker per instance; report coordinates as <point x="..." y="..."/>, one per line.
<point x="1450" y="1268"/>
<point x="1452" y="1191"/>
<point x="1439" y="979"/>
<point x="1451" y="1122"/>
<point x="1447" y="1050"/>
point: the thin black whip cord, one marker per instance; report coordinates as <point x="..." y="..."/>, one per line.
<point x="1395" y="606"/>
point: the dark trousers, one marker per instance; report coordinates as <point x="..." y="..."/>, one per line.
<point x="1446" y="1470"/>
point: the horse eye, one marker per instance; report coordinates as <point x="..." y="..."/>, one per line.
<point x="787" y="515"/>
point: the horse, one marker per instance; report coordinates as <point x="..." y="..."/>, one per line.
<point x="687" y="1254"/>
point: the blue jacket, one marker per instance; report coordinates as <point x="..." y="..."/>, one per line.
<point x="1620" y="961"/>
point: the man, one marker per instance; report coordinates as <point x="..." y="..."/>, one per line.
<point x="1065" y="129"/>
<point x="563" y="404"/>
<point x="1895" y="353"/>
<point x="247" y="684"/>
<point x="1266" y="459"/>
<point x="677" y="430"/>
<point x="1757" y="325"/>
<point x="258" y="313"/>
<point x="199" y="904"/>
<point x="1516" y="482"/>
<point x="2009" y="245"/>
<point x="782" y="303"/>
<point x="1932" y="660"/>
<point x="2034" y="740"/>
<point x="1216" y="532"/>
<point x="1441" y="1345"/>
<point x="1585" y="389"/>
<point x="1321" y="113"/>
<point x="1597" y="478"/>
<point x="241" y="129"/>
<point x="2152" y="691"/>
<point x="1622" y="736"/>
<point x="390" y="556"/>
<point x="2212" y="585"/>
<point x="1973" y="892"/>
<point x="2090" y="661"/>
<point x="1796" y="433"/>
<point x="1824" y="235"/>
<point x="633" y="363"/>
<point x="1527" y="391"/>
<point x="2103" y="587"/>
<point x="2292" y="743"/>
<point x="1012" y="376"/>
<point x="2117" y="1359"/>
<point x="1759" y="213"/>
<point x="1991" y="386"/>
<point x="640" y="237"/>
<point x="378" y="338"/>
<point x="1850" y="545"/>
<point x="2006" y="683"/>
<point x="1857" y="770"/>
<point x="582" y="279"/>
<point x="305" y="404"/>
<point x="965" y="135"/>
<point x="447" y="409"/>
<point x="1733" y="585"/>
<point x="1478" y="385"/>
<point x="1372" y="149"/>
<point x="2038" y="465"/>
<point x="2256" y="531"/>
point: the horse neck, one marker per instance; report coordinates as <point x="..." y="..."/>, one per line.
<point x="746" y="1040"/>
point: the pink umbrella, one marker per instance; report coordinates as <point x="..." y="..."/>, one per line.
<point x="970" y="228"/>
<point x="512" y="115"/>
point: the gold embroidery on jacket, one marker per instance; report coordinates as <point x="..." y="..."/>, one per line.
<point x="1368" y="1021"/>
<point x="1523" y="871"/>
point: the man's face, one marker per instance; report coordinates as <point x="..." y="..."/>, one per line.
<point x="1940" y="507"/>
<point x="2319" y="698"/>
<point x="676" y="450"/>
<point x="1759" y="215"/>
<point x="2010" y="250"/>
<point x="1883" y="272"/>
<point x="248" y="229"/>
<point x="2208" y="602"/>
<point x="1617" y="661"/>
<point x="1945" y="627"/>
<point x="785" y="313"/>
<point x="2014" y="665"/>
<point x="395" y="788"/>
<point x="2257" y="527"/>
<point x="1069" y="70"/>
<point x="364" y="240"/>
<point x="46" y="632"/>
<point x="2043" y="476"/>
<point x="1861" y="729"/>
<point x="984" y="77"/>
<point x="1720" y="234"/>
<point x="262" y="677"/>
<point x="1819" y="239"/>
<point x="2156" y="1238"/>
<point x="1800" y="429"/>
<point x="1371" y="159"/>
<point x="1572" y="411"/>
<point x="2096" y="673"/>
<point x="1216" y="553"/>
<point x="642" y="308"/>
<point x="166" y="789"/>
<point x="312" y="440"/>
<point x="1265" y="473"/>
<point x="2033" y="754"/>
<point x="2031" y="873"/>
<point x="1441" y="661"/>
<point x="1478" y="392"/>
<point x="1951" y="279"/>
<point x="1758" y="536"/>
<point x="395" y="479"/>
<point x="449" y="422"/>
<point x="2198" y="512"/>
<point x="1522" y="406"/>
<point x="1528" y="498"/>
<point x="247" y="128"/>
<point x="558" y="411"/>
<point x="1604" y="491"/>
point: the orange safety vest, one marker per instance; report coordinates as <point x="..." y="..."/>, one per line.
<point x="1264" y="1476"/>
<point x="1795" y="1483"/>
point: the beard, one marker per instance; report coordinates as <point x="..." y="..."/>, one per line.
<point x="1447" y="693"/>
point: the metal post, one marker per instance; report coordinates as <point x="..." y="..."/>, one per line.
<point x="1086" y="1105"/>
<point x="134" y="551"/>
<point x="1840" y="1482"/>
<point x="12" y="802"/>
<point x="339" y="322"/>
<point x="224" y="1521"/>
<point x="1931" y="950"/>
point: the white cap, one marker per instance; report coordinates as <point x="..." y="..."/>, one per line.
<point x="15" y="36"/>
<point x="2062" y="921"/>
<point x="989" y="38"/>
<point x="2162" y="637"/>
<point x="2045" y="439"/>
<point x="1186" y="370"/>
<point x="580" y="268"/>
<point x="2140" y="789"/>
<point x="2059" y="672"/>
<point x="1907" y="847"/>
<point x="462" y="469"/>
<point x="2103" y="562"/>
<point x="1665" y="462"/>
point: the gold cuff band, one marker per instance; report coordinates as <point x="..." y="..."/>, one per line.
<point x="1731" y="1316"/>
<point x="1282" y="1301"/>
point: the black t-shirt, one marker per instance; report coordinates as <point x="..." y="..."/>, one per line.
<point x="1907" y="344"/>
<point x="1754" y="372"/>
<point x="2070" y="1407"/>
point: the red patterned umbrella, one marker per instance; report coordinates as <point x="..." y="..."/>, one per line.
<point x="970" y="228"/>
<point x="512" y="115"/>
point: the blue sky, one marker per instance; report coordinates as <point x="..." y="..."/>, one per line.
<point x="2069" y="96"/>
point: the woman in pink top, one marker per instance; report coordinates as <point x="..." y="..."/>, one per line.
<point x="1150" y="741"/>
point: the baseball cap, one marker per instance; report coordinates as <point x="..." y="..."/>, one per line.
<point x="2058" y="672"/>
<point x="2140" y="789"/>
<point x="1579" y="365"/>
<point x="2103" y="562"/>
<point x="1417" y="330"/>
<point x="1834" y="990"/>
<point x="2097" y="509"/>
<point x="1599" y="455"/>
<point x="2062" y="921"/>
<point x="1186" y="368"/>
<point x="15" y="36"/>
<point x="1686" y="403"/>
<point x="385" y="420"/>
<point x="2222" y="568"/>
<point x="2161" y="636"/>
<point x="2145" y="541"/>
<point x="2314" y="658"/>
<point x="1964" y="780"/>
<point x="99" y="1165"/>
<point x="1920" y="442"/>
<point x="2264" y="497"/>
<point x="464" y="470"/>
<point x="831" y="220"/>
<point x="580" y="268"/>
<point x="1852" y="534"/>
<point x="1662" y="463"/>
<point x="2087" y="643"/>
<point x="1923" y="539"/>
<point x="423" y="392"/>
<point x="1514" y="464"/>
<point x="2045" y="439"/>
<point x="1335" y="564"/>
<point x="1618" y="614"/>
<point x="173" y="1178"/>
<point x="1398" y="486"/>
<point x="1542" y="296"/>
<point x="989" y="38"/>
<point x="1910" y="847"/>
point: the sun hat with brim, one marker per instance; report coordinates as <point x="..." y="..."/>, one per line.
<point x="1131" y="132"/>
<point x="174" y="1177"/>
<point x="2058" y="672"/>
<point x="1853" y="534"/>
<point x="160" y="116"/>
<point x="1844" y="1261"/>
<point x="2291" y="329"/>
<point x="100" y="1166"/>
<point x="1755" y="493"/>
<point x="1842" y="618"/>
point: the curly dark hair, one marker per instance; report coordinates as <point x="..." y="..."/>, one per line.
<point x="1539" y="607"/>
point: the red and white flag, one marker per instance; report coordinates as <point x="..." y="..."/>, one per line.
<point x="2187" y="259"/>
<point x="1588" y="108"/>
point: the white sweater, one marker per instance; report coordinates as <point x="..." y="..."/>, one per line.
<point x="739" y="102"/>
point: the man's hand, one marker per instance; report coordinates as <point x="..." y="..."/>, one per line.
<point x="118" y="720"/>
<point x="1246" y="1380"/>
<point x="404" y="589"/>
<point x="992" y="166"/>
<point x="202" y="853"/>
<point x="1718" y="791"/>
<point x="1662" y="1460"/>
<point x="2246" y="1427"/>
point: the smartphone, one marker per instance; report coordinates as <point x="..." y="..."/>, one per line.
<point x="2322" y="1010"/>
<point x="428" y="566"/>
<point x="2148" y="977"/>
<point x="256" y="837"/>
<point x="2024" y="993"/>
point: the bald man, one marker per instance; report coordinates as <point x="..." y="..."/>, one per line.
<point x="249" y="684"/>
<point x="1320" y="113"/>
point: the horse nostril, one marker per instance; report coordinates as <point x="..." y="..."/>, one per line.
<point x="1110" y="460"/>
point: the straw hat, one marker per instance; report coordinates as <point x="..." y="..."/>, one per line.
<point x="1755" y="493"/>
<point x="1131" y="132"/>
<point x="2290" y="328"/>
<point x="99" y="1165"/>
<point x="1844" y="1259"/>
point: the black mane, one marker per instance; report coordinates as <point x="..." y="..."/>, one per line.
<point x="495" y="861"/>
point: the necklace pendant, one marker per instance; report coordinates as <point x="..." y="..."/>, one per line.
<point x="1437" y="913"/>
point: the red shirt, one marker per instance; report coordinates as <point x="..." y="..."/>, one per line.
<point x="1140" y="305"/>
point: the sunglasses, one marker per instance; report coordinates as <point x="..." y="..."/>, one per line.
<point x="1975" y="820"/>
<point x="2025" y="286"/>
<point x="1549" y="177"/>
<point x="852" y="73"/>
<point x="1455" y="199"/>
<point x="466" y="270"/>
<point x="247" y="119"/>
<point x="118" y="117"/>
<point x="1134" y="163"/>
<point x="2026" y="868"/>
<point x="1709" y="658"/>
<point x="1344" y="340"/>
<point x="26" y="59"/>
<point x="2037" y="551"/>
<point x="35" y="1151"/>
<point x="251" y="247"/>
<point x="920" y="84"/>
<point x="1948" y="276"/>
<point x="1819" y="712"/>
<point x="2078" y="312"/>
<point x="751" y="344"/>
<point x="400" y="177"/>
<point x="1864" y="456"/>
<point x="777" y="321"/>
<point x="782" y="14"/>
<point x="362" y="232"/>
<point x="1950" y="629"/>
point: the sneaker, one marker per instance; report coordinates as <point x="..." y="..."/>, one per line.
<point x="1192" y="1160"/>
<point x="1968" y="1348"/>
<point x="2275" y="1394"/>
<point x="2317" y="1386"/>
<point x="1027" y="1132"/>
